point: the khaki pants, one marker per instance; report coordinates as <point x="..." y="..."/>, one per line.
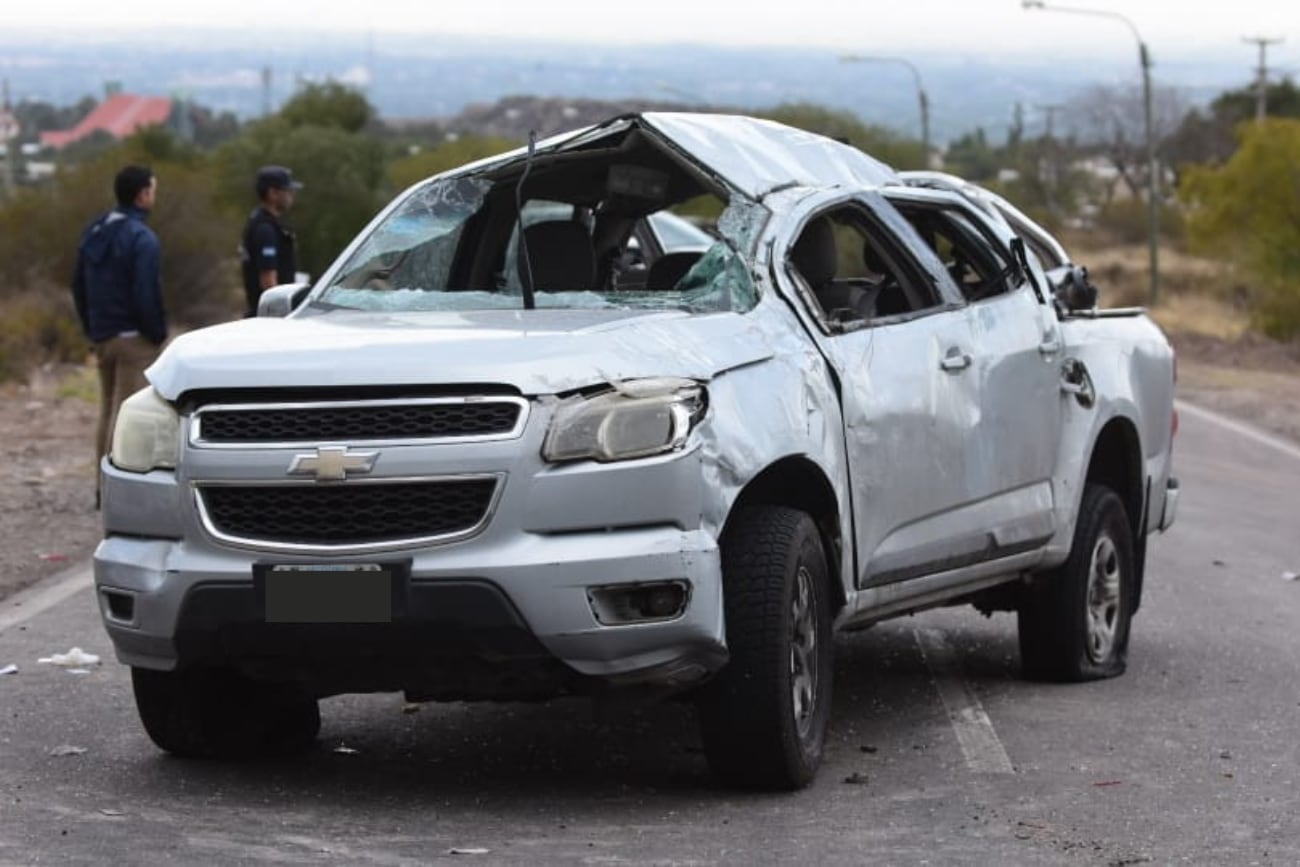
<point x="122" y="361"/>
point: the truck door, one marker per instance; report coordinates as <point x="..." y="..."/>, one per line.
<point x="899" y="339"/>
<point x="1016" y="351"/>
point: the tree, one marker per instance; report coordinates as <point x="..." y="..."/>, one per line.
<point x="449" y="154"/>
<point x="330" y="104"/>
<point x="1110" y="120"/>
<point x="1208" y="136"/>
<point x="318" y="135"/>
<point x="972" y="157"/>
<point x="1248" y="210"/>
<point x="36" y="116"/>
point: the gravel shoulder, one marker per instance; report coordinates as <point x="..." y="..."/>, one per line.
<point x="48" y="520"/>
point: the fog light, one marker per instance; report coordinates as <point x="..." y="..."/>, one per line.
<point x="121" y="606"/>
<point x="619" y="604"/>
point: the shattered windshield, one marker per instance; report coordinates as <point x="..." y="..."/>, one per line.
<point x="455" y="245"/>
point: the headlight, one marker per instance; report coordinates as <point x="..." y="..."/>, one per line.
<point x="146" y="435"/>
<point x="640" y="418"/>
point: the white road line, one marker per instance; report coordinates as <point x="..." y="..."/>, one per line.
<point x="1241" y="428"/>
<point x="28" y="603"/>
<point x="975" y="734"/>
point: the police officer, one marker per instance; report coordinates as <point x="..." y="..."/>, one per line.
<point x="267" y="250"/>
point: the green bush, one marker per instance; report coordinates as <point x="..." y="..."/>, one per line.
<point x="41" y="226"/>
<point x="1248" y="210"/>
<point x="38" y="326"/>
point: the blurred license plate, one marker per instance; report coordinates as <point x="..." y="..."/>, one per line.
<point x="328" y="593"/>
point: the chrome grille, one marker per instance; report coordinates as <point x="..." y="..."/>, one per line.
<point x="346" y="515"/>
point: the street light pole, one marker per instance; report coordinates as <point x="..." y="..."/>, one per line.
<point x="921" y="98"/>
<point x="1153" y="171"/>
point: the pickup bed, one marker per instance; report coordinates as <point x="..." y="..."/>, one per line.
<point x="512" y="445"/>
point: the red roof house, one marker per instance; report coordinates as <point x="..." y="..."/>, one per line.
<point x="119" y="116"/>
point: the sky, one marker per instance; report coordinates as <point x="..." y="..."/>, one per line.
<point x="973" y="27"/>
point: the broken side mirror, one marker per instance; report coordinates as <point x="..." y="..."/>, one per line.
<point x="1073" y="290"/>
<point x="281" y="300"/>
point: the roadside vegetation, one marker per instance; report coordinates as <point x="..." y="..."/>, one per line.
<point x="1230" y="212"/>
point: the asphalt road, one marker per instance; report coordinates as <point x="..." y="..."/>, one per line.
<point x="939" y="754"/>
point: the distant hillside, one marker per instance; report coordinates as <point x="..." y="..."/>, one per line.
<point x="425" y="77"/>
<point x="514" y="116"/>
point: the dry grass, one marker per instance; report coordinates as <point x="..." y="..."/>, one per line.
<point x="1199" y="296"/>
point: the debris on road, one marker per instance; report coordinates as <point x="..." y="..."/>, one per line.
<point x="463" y="850"/>
<point x="105" y="811"/>
<point x="67" y="750"/>
<point x="54" y="557"/>
<point x="9" y="669"/>
<point x="410" y="707"/>
<point x="345" y="750"/>
<point x="1220" y="563"/>
<point x="1099" y="784"/>
<point x="868" y="749"/>
<point x="1291" y="576"/>
<point x="74" y="658"/>
<point x="856" y="779"/>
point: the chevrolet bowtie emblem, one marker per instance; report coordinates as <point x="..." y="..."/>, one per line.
<point x="332" y="463"/>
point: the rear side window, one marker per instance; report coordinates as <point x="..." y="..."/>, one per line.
<point x="979" y="266"/>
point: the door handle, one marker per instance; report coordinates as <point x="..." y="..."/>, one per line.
<point x="955" y="361"/>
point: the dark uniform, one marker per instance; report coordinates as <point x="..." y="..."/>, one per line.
<point x="267" y="245"/>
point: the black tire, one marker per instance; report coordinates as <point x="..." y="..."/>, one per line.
<point x="219" y="714"/>
<point x="756" y="732"/>
<point x="1074" y="621"/>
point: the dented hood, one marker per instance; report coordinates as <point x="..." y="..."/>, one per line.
<point x="541" y="352"/>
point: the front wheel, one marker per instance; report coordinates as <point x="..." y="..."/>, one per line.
<point x="764" y="717"/>
<point x="1074" y="621"/>
<point x="219" y="714"/>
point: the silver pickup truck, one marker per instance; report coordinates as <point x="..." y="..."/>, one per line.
<point x="518" y="443"/>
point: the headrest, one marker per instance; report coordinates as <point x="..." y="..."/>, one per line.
<point x="668" y="269"/>
<point x="561" y="257"/>
<point x="814" y="253"/>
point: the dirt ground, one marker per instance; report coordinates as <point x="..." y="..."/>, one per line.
<point x="48" y="521"/>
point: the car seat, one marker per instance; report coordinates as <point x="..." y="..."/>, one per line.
<point x="561" y="256"/>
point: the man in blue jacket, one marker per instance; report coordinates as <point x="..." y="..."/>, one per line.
<point x="118" y="292"/>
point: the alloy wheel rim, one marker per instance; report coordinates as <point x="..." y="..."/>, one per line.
<point x="803" y="652"/>
<point x="1104" y="576"/>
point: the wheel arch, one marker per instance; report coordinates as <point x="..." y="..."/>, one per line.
<point x="1116" y="462"/>
<point x="799" y="483"/>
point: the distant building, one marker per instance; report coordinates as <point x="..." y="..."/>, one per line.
<point x="119" y="116"/>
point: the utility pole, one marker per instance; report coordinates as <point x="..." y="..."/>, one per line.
<point x="1261" y="74"/>
<point x="1049" y="168"/>
<point x="1049" y="111"/>
<point x="1153" y="167"/>
<point x="921" y="98"/>
<point x="8" y="141"/>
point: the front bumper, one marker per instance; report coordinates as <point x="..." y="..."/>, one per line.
<point x="167" y="603"/>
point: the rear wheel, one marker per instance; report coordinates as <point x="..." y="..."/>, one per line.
<point x="1074" y="621"/>
<point x="209" y="714"/>
<point x="764" y="717"/>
